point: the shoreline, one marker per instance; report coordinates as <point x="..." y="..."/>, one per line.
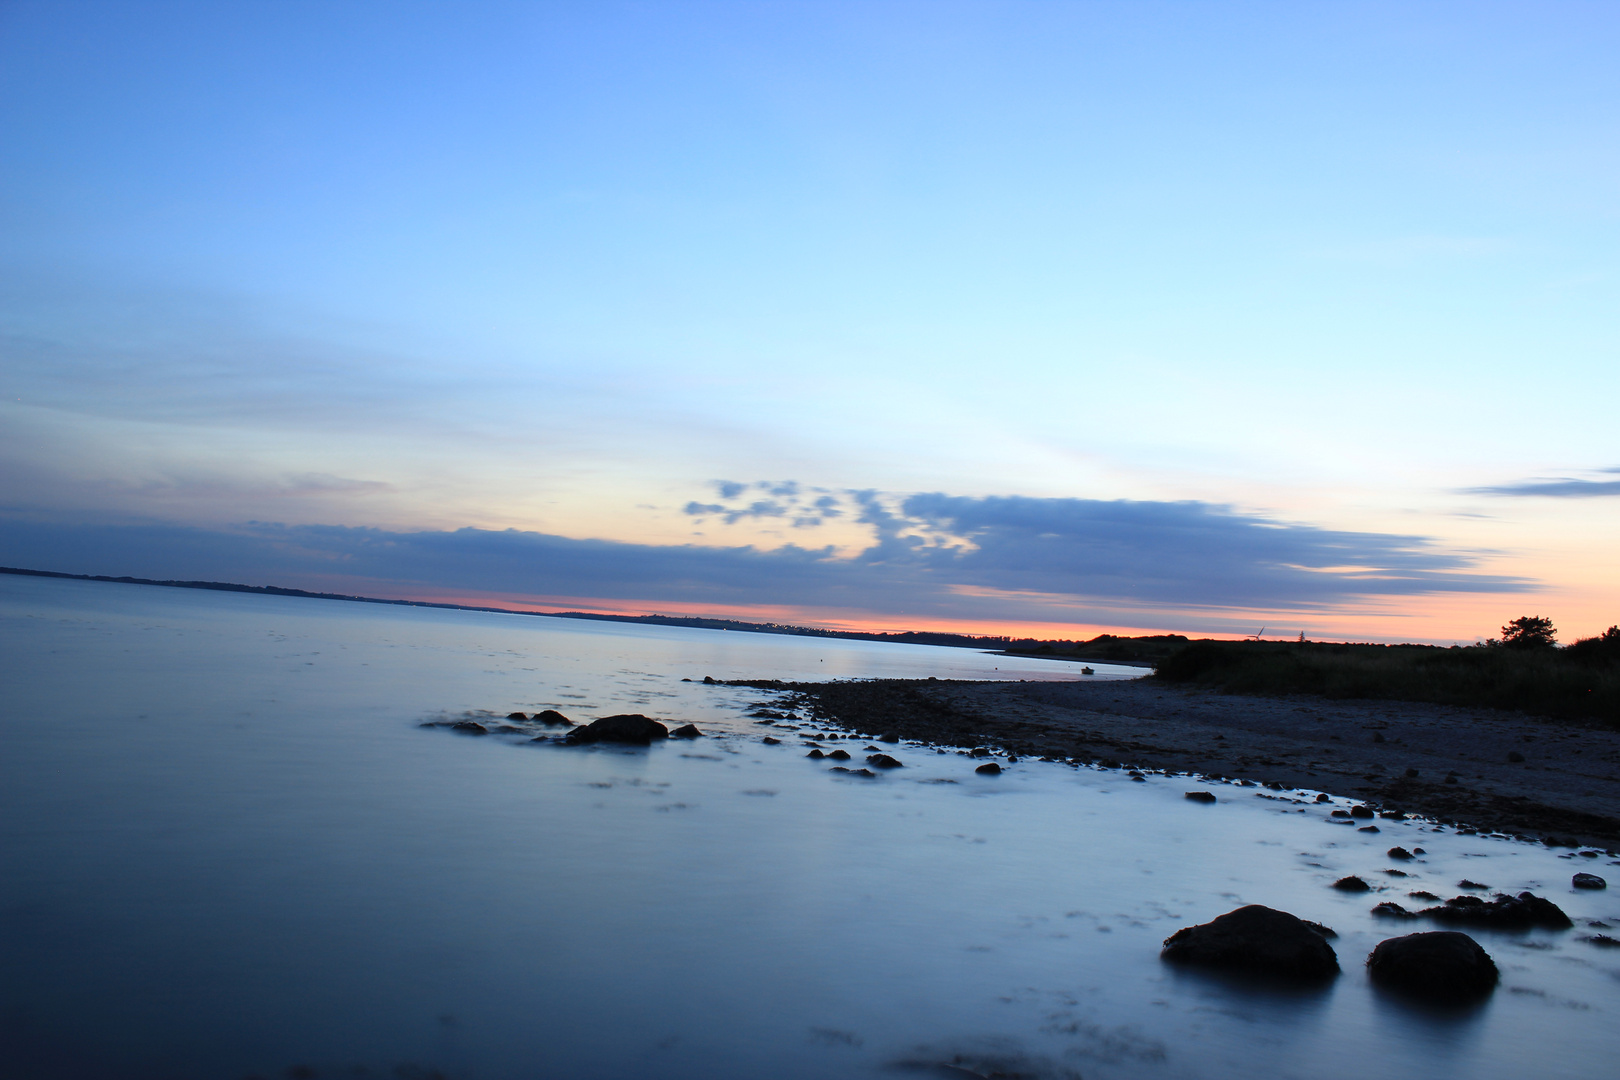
<point x="1564" y="789"/>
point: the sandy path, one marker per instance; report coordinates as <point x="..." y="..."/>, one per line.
<point x="1567" y="787"/>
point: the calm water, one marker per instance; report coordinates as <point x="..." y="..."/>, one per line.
<point x="230" y="851"/>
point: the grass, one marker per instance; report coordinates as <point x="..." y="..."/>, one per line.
<point x="1571" y="683"/>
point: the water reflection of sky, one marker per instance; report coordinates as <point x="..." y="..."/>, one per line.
<point x="232" y="851"/>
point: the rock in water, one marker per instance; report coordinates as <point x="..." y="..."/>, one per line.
<point x="1256" y="938"/>
<point x="630" y="728"/>
<point x="882" y="761"/>
<point x="554" y="718"/>
<point x="516" y="716"/>
<point x="1589" y="881"/>
<point x="1351" y="884"/>
<point x="469" y="727"/>
<point x="1201" y="796"/>
<point x="989" y="768"/>
<point x="1503" y="913"/>
<point x="1440" y="966"/>
<point x="686" y="731"/>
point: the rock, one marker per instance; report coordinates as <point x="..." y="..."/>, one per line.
<point x="839" y="755"/>
<point x="1369" y="828"/>
<point x="554" y="718"/>
<point x="1419" y="851"/>
<point x="709" y="680"/>
<point x="815" y="754"/>
<point x="989" y="768"/>
<point x="1012" y="759"/>
<point x="516" y="716"/>
<point x="1503" y="913"/>
<point x="1589" y="881"/>
<point x="1422" y="894"/>
<point x="1398" y="853"/>
<point x="1440" y="966"/>
<point x="632" y="728"/>
<point x="1467" y="884"/>
<point x="1201" y="796"/>
<point x="1412" y="774"/>
<point x="1255" y="938"/>
<point x="1351" y="884"/>
<point x="768" y="741"/>
<point x="1390" y="910"/>
<point x="890" y="738"/>
<point x="1340" y="814"/>
<point x="686" y="731"/>
<point x="977" y="751"/>
<point x="1362" y="811"/>
<point x="1604" y="940"/>
<point x="882" y="761"/>
<point x="1378" y="736"/>
<point x="469" y="727"/>
<point x="861" y="772"/>
<point x="1323" y="796"/>
<point x="1515" y="757"/>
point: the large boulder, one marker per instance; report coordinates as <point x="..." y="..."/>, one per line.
<point x="1443" y="965"/>
<point x="630" y="728"/>
<point x="1257" y="939"/>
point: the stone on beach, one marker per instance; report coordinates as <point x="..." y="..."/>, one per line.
<point x="989" y="768"/>
<point x="1503" y="913"/>
<point x="882" y="761"/>
<point x="1351" y="884"/>
<point x="1589" y="881"/>
<point x="686" y="731"/>
<point x="553" y="717"/>
<point x="633" y="728"/>
<point x="1259" y="939"/>
<point x="1200" y="796"/>
<point x="469" y="727"/>
<point x="516" y="716"/>
<point x="1441" y="965"/>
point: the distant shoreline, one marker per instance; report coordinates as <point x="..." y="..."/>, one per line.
<point x="986" y="643"/>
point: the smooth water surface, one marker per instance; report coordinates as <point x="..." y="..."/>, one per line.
<point x="230" y="850"/>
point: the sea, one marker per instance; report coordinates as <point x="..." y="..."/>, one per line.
<point x="230" y="848"/>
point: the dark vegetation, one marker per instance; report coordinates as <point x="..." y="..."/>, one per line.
<point x="1523" y="671"/>
<point x="1106" y="648"/>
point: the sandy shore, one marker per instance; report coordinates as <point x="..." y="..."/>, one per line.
<point x="1566" y="788"/>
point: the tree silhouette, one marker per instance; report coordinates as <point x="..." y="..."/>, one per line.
<point x="1529" y="632"/>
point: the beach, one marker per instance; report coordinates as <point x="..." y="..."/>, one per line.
<point x="1483" y="769"/>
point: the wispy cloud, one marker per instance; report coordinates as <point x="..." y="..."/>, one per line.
<point x="1563" y="487"/>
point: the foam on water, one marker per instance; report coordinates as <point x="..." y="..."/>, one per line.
<point x="231" y="851"/>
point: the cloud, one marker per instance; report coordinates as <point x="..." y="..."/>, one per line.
<point x="933" y="555"/>
<point x="1561" y="488"/>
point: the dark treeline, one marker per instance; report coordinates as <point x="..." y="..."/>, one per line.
<point x="1577" y="681"/>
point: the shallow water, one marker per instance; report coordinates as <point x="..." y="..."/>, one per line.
<point x="229" y="850"/>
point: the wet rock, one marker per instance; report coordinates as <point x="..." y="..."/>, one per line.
<point x="989" y="768"/>
<point x="553" y="717"/>
<point x="1257" y="939"/>
<point x="1604" y="940"/>
<point x="1391" y="910"/>
<point x="469" y="727"/>
<point x="1362" y="811"/>
<point x="1012" y="759"/>
<point x="839" y="755"/>
<point x="1369" y="828"/>
<point x="1442" y="966"/>
<point x="1200" y="796"/>
<point x="1398" y="853"/>
<point x="977" y="751"/>
<point x="862" y="772"/>
<point x="1351" y="884"/>
<point x="516" y="716"/>
<point x="768" y="741"/>
<point x="815" y="754"/>
<point x="1467" y="884"/>
<point x="1419" y="851"/>
<point x="1589" y="881"/>
<point x="1340" y="814"/>
<point x="890" y="738"/>
<point x="1323" y="797"/>
<point x="1422" y="894"/>
<point x="631" y="728"/>
<point x="1503" y="913"/>
<point x="686" y="731"/>
<point x="882" y="761"/>
<point x="709" y="680"/>
<point x="1397" y="873"/>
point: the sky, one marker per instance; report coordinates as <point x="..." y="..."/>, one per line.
<point x="1032" y="318"/>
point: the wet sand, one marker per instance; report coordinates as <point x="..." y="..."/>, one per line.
<point x="1566" y="789"/>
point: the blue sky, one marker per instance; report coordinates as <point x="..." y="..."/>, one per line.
<point x="1343" y="274"/>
